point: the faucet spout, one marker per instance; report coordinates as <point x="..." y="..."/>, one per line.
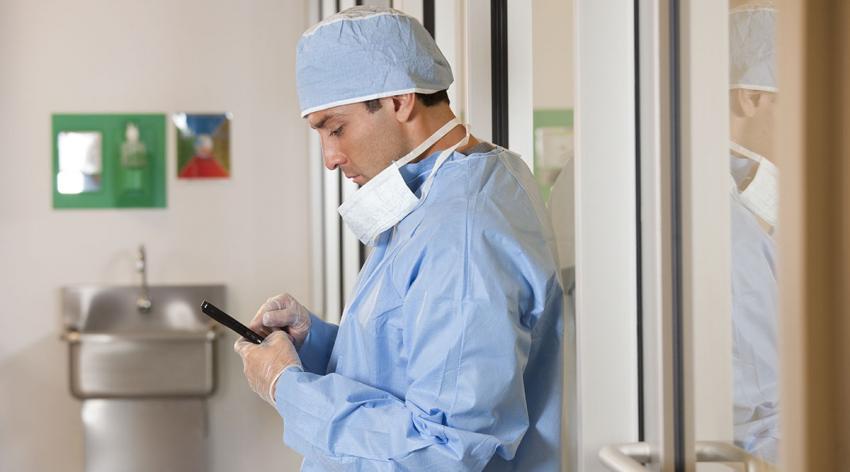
<point x="143" y="303"/>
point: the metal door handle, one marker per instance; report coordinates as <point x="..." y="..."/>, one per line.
<point x="718" y="451"/>
<point x="631" y="457"/>
<point x="628" y="457"/>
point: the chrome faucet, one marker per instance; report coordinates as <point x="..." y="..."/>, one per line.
<point x="143" y="303"/>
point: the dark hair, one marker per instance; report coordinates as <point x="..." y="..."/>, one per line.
<point x="427" y="99"/>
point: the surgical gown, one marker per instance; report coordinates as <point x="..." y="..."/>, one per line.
<point x="754" y="322"/>
<point x="448" y="356"/>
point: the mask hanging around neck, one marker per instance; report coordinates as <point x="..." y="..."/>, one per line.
<point x="386" y="199"/>
<point x="761" y="195"/>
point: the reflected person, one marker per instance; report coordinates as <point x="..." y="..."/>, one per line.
<point x="754" y="209"/>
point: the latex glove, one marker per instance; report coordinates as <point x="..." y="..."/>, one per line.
<point x="283" y="312"/>
<point x="263" y="363"/>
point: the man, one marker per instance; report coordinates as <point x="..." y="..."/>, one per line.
<point x="754" y="209"/>
<point x="448" y="356"/>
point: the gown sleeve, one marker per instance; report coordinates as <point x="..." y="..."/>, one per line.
<point x="318" y="344"/>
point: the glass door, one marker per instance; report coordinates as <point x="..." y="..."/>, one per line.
<point x="706" y="189"/>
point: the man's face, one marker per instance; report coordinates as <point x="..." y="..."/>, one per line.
<point x="361" y="143"/>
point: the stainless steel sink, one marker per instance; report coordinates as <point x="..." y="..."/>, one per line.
<point x="117" y="350"/>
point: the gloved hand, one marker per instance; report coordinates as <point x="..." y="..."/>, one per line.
<point x="282" y="311"/>
<point x="263" y="363"/>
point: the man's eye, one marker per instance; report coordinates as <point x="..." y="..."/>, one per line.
<point x="337" y="132"/>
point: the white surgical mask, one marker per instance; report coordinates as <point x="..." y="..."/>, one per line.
<point x="761" y="196"/>
<point x="386" y="199"/>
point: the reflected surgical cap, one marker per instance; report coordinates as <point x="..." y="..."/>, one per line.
<point x="752" y="48"/>
<point x="364" y="53"/>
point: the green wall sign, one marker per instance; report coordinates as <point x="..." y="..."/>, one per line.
<point x="108" y="161"/>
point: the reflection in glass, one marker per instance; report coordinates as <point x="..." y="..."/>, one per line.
<point x="753" y="188"/>
<point x="80" y="162"/>
<point x="553" y="147"/>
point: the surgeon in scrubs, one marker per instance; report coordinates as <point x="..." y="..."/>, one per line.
<point x="448" y="356"/>
<point x="754" y="209"/>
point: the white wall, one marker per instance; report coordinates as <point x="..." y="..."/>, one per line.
<point x="152" y="56"/>
<point x="553" y="40"/>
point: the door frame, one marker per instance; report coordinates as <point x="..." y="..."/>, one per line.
<point x="606" y="348"/>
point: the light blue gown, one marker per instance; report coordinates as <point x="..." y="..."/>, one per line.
<point x="448" y="357"/>
<point x="754" y="330"/>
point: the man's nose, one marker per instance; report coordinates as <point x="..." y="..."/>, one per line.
<point x="332" y="157"/>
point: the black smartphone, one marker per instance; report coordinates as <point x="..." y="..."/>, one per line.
<point x="217" y="314"/>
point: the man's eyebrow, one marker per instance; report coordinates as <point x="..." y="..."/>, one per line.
<point x="321" y="124"/>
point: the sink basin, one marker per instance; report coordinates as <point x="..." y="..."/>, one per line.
<point x="117" y="351"/>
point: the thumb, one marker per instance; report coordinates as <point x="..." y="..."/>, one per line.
<point x="280" y="338"/>
<point x="242" y="345"/>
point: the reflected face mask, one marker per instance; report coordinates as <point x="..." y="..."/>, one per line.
<point x="761" y="196"/>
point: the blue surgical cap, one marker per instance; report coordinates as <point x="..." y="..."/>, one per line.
<point x="752" y="48"/>
<point x="364" y="53"/>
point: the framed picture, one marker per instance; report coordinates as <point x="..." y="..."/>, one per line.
<point x="203" y="145"/>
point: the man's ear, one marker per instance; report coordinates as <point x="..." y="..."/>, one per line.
<point x="744" y="103"/>
<point x="403" y="106"/>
